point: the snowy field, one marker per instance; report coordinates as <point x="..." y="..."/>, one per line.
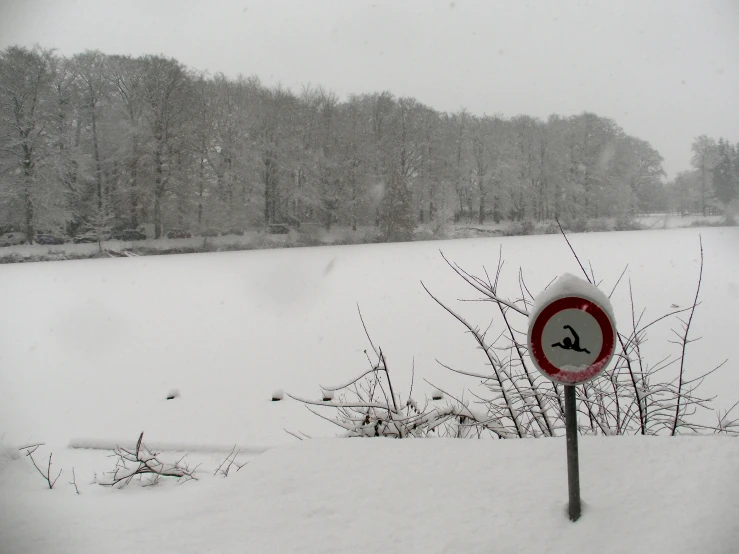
<point x="90" y="349"/>
<point x="641" y="495"/>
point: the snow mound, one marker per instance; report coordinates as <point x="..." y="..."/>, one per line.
<point x="569" y="285"/>
<point x="162" y="446"/>
<point x="659" y="495"/>
<point x="514" y="495"/>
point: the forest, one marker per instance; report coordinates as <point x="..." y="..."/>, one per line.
<point x="96" y="140"/>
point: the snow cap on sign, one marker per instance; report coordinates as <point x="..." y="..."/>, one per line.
<point x="569" y="285"/>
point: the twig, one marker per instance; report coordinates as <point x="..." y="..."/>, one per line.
<point x="293" y="434"/>
<point x="230" y="460"/>
<point x="619" y="280"/>
<point x="366" y="332"/>
<point x="475" y="283"/>
<point x="342" y="404"/>
<point x="547" y="426"/>
<point x="34" y="446"/>
<point x="592" y="273"/>
<point x="345" y="385"/>
<point x="512" y="413"/>
<point x="144" y="462"/>
<point x="74" y="481"/>
<point x="573" y="250"/>
<point x="685" y="342"/>
<point x="47" y="476"/>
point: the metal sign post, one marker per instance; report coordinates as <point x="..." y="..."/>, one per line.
<point x="571" y="339"/>
<point x="573" y="462"/>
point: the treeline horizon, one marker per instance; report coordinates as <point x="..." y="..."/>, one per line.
<point x="96" y="140"/>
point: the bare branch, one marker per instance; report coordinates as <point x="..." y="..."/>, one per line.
<point x="685" y="340"/>
<point x="144" y="462"/>
<point x="74" y="481"/>
<point x="46" y="475"/>
<point x="293" y="434"/>
<point x="573" y="251"/>
<point x="366" y="332"/>
<point x="619" y="280"/>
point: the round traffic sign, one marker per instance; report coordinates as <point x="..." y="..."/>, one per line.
<point x="572" y="335"/>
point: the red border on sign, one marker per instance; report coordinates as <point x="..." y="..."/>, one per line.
<point x="572" y="303"/>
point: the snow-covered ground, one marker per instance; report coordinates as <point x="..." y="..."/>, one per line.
<point x="655" y="495"/>
<point x="90" y="349"/>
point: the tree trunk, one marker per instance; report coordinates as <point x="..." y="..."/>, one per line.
<point x="354" y="199"/>
<point x="271" y="197"/>
<point x="201" y="179"/>
<point x="98" y="169"/>
<point x="481" y="214"/>
<point x="29" y="214"/>
<point x="133" y="192"/>
<point x="159" y="184"/>
<point x="28" y="168"/>
<point x="703" y="185"/>
<point x="157" y="217"/>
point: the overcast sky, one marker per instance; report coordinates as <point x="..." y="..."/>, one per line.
<point x="665" y="70"/>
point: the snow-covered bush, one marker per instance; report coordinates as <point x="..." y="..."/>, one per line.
<point x="370" y="406"/>
<point x="520" y="228"/>
<point x="634" y="396"/>
<point x="277" y="395"/>
<point x="627" y="222"/>
<point x="576" y="225"/>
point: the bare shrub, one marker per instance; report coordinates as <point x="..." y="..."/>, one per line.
<point x="634" y="396"/>
<point x="74" y="482"/>
<point x="144" y="465"/>
<point x="225" y="465"/>
<point x="368" y="406"/>
<point x="45" y="474"/>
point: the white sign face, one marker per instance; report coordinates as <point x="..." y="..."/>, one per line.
<point x="572" y="340"/>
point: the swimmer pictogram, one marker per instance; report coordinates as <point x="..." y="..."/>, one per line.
<point x="568" y="344"/>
